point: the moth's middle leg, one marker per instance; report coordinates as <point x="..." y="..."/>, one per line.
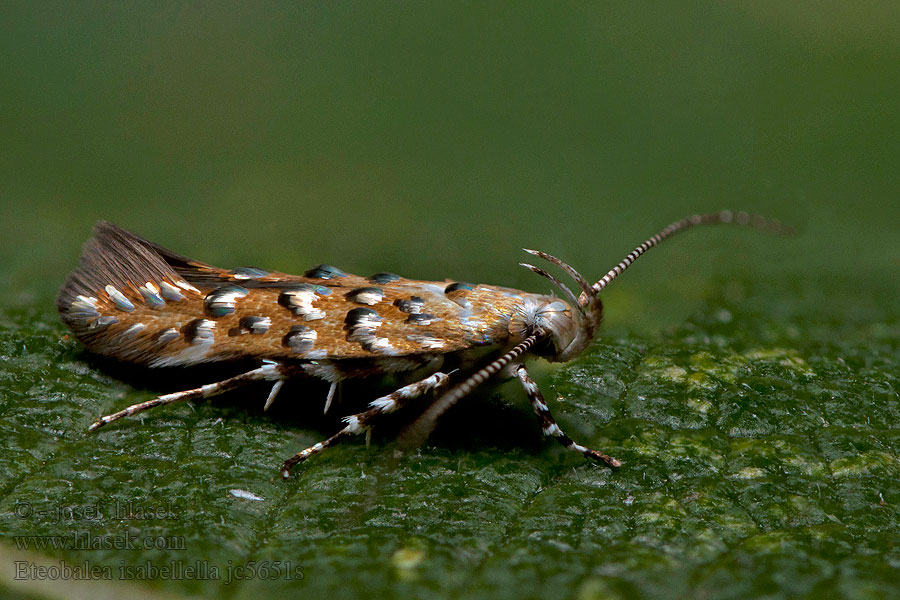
<point x="361" y="422"/>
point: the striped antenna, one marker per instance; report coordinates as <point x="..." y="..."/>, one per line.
<point x="724" y="216"/>
<point x="563" y="287"/>
<point x="584" y="285"/>
<point x="419" y="430"/>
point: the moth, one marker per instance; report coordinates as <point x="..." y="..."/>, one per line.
<point x="137" y="302"/>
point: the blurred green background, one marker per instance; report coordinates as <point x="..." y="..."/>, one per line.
<point x="436" y="139"/>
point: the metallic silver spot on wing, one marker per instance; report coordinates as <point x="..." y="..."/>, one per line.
<point x="363" y="318"/>
<point x="223" y="301"/>
<point x="186" y="286"/>
<point x="382" y="278"/>
<point x="167" y="335"/>
<point x="299" y="300"/>
<point x="458" y="292"/>
<point x="422" y="319"/>
<point x="324" y="272"/>
<point x="170" y="292"/>
<point x="426" y="341"/>
<point x="256" y="325"/>
<point x="151" y="295"/>
<point x="459" y="286"/>
<point x="104" y="322"/>
<point x="85" y="306"/>
<point x="379" y="345"/>
<point x="134" y="330"/>
<point x="366" y="295"/>
<point x="119" y="299"/>
<point x="248" y="273"/>
<point x="412" y="305"/>
<point x="200" y="332"/>
<point x="361" y="324"/>
<point x="300" y="338"/>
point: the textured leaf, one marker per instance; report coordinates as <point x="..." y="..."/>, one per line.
<point x="760" y="442"/>
<point x="759" y="436"/>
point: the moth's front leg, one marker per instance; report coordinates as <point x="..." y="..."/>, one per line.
<point x="548" y="423"/>
<point x="268" y="372"/>
<point x="361" y="422"/>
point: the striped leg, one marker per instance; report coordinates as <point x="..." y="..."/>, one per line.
<point x="268" y="372"/>
<point x="549" y="424"/>
<point x="361" y="422"/>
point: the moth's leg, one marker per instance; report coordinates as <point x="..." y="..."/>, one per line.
<point x="330" y="396"/>
<point x="361" y="422"/>
<point x="548" y="423"/>
<point x="268" y="372"/>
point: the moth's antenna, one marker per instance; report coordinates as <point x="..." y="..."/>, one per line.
<point x="419" y="430"/>
<point x="724" y="216"/>
<point x="584" y="285"/>
<point x="563" y="287"/>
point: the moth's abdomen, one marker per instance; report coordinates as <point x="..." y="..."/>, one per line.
<point x="135" y="301"/>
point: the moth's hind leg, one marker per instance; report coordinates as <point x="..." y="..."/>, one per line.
<point x="268" y="372"/>
<point x="548" y="423"/>
<point x="360" y="422"/>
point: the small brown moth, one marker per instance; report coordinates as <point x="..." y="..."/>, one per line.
<point x="135" y="301"/>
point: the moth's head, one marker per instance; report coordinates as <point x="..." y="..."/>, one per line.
<point x="568" y="327"/>
<point x="567" y="330"/>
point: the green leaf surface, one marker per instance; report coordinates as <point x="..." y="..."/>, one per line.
<point x="749" y="384"/>
<point x="759" y="439"/>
